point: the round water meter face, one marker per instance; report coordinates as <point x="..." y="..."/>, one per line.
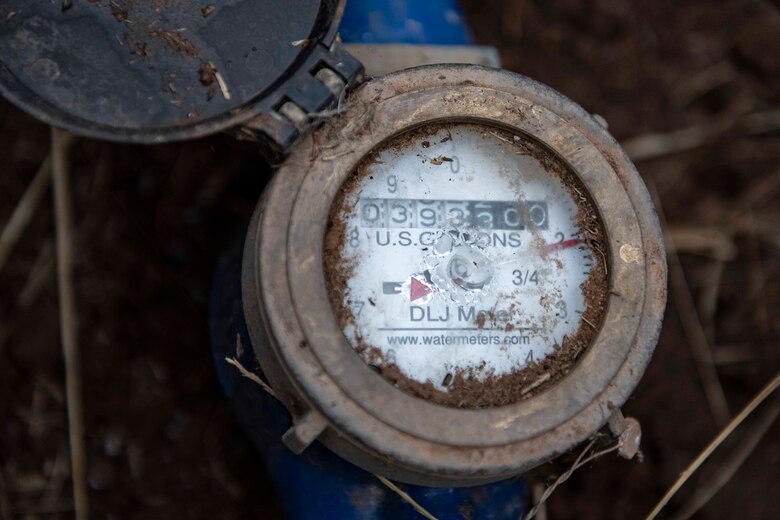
<point x="467" y="264"/>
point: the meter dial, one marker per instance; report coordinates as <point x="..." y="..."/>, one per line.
<point x="469" y="264"/>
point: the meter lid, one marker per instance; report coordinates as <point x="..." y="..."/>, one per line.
<point x="163" y="70"/>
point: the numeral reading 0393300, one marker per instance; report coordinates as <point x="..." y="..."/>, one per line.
<point x="485" y="214"/>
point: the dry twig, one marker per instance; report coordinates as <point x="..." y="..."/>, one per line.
<point x="537" y="491"/>
<point x="702" y="82"/>
<point x="713" y="445"/>
<point x="41" y="272"/>
<point x="660" y="144"/>
<point x="412" y="502"/>
<point x="578" y="463"/>
<point x="653" y="145"/>
<point x="252" y="376"/>
<point x="710" y="241"/>
<point x="730" y="466"/>
<point x="24" y="211"/>
<point x="541" y="379"/>
<point x="60" y="141"/>
<point x="222" y="85"/>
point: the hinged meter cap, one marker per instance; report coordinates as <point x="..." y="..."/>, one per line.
<point x="164" y="70"/>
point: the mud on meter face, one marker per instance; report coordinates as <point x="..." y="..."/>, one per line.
<point x="456" y="278"/>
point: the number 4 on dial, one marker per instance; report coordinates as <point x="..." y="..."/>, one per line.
<point x="525" y="277"/>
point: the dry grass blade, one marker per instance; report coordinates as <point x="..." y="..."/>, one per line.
<point x="60" y="141"/>
<point x="24" y="211"/>
<point x="709" y="241"/>
<point x="697" y="337"/>
<point x="730" y="466"/>
<point x="651" y="146"/>
<point x="252" y="376"/>
<point x="537" y="492"/>
<point x="417" y="507"/>
<point x="41" y="273"/>
<point x="712" y="446"/>
<point x="703" y="82"/>
<point x="660" y="144"/>
<point x="578" y="463"/>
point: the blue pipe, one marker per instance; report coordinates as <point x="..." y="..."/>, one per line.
<point x="436" y="22"/>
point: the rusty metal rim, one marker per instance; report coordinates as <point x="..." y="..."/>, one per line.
<point x="416" y="458"/>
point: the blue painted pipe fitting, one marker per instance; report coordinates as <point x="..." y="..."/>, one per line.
<point x="435" y="22"/>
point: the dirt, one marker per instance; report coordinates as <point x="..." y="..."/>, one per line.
<point x="207" y="10"/>
<point x="473" y="388"/>
<point x="145" y="38"/>
<point x="177" y="42"/>
<point x="118" y="12"/>
<point x="337" y="271"/>
<point x="208" y="74"/>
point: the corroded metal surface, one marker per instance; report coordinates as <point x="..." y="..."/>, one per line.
<point x="368" y="421"/>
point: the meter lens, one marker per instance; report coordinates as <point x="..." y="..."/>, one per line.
<point x="466" y="264"/>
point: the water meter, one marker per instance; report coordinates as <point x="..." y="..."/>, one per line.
<point x="455" y="275"/>
<point x="455" y="279"/>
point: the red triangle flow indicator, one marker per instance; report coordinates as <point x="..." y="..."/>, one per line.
<point x="418" y="290"/>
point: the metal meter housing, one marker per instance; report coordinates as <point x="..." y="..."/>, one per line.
<point x="334" y="396"/>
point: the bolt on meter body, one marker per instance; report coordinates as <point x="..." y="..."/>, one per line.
<point x="457" y="278"/>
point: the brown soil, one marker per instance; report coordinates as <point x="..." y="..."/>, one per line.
<point x="177" y="43"/>
<point x="465" y="388"/>
<point x="208" y="74"/>
<point x="207" y="10"/>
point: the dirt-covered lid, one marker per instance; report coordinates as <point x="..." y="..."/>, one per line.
<point x="163" y="70"/>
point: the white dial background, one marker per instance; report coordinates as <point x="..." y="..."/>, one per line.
<point x="465" y="256"/>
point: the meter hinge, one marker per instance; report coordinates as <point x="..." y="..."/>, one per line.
<point x="325" y="75"/>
